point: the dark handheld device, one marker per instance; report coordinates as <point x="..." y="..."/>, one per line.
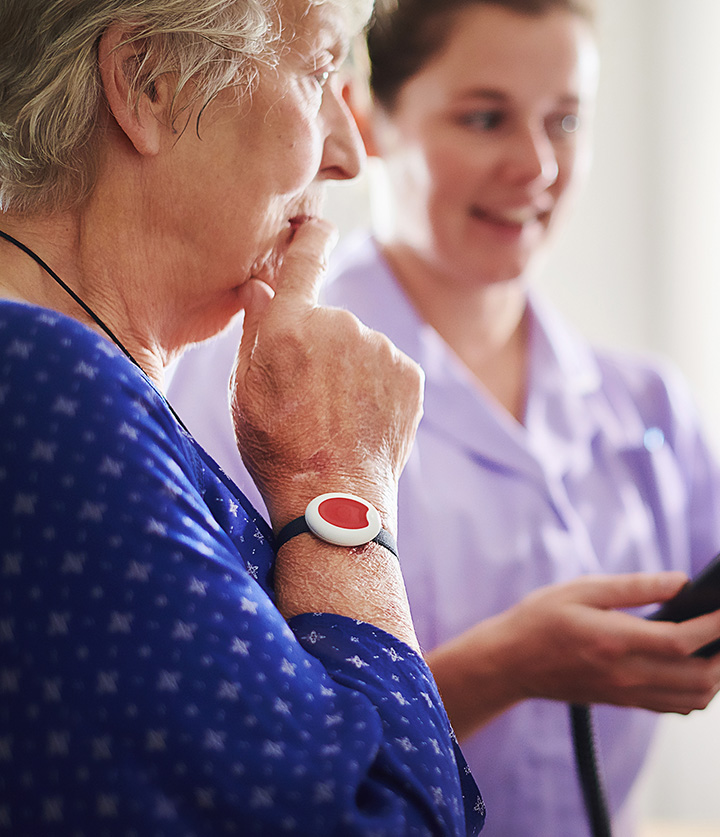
<point x="699" y="596"/>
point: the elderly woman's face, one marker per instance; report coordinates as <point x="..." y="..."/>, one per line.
<point x="259" y="165"/>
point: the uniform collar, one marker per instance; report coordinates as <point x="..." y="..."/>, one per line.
<point x="565" y="408"/>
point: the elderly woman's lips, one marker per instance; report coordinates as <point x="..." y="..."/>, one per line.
<point x="298" y="220"/>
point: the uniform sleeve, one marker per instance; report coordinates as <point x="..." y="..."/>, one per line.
<point x="148" y="682"/>
<point x="669" y="404"/>
<point x="701" y="466"/>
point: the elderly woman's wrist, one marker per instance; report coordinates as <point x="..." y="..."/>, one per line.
<point x="291" y="502"/>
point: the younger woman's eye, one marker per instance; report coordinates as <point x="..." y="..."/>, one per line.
<point x="482" y="120"/>
<point x="566" y="123"/>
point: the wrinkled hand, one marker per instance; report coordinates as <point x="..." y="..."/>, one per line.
<point x="571" y="642"/>
<point x="320" y="402"/>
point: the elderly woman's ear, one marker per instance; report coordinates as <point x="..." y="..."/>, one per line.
<point x="140" y="107"/>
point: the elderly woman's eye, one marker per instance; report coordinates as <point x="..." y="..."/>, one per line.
<point x="322" y="77"/>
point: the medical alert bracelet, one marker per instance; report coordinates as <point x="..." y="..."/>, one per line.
<point x="340" y="519"/>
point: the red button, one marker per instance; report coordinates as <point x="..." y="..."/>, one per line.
<point x="344" y="512"/>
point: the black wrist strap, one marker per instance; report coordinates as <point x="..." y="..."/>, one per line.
<point x="299" y="526"/>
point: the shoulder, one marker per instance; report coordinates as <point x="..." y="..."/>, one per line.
<point x="52" y="362"/>
<point x="69" y="395"/>
<point x="629" y="383"/>
<point x="94" y="451"/>
<point x="41" y="328"/>
<point x="644" y="400"/>
<point x="654" y="384"/>
<point x="51" y="353"/>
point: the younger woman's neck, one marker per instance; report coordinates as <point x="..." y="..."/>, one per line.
<point x="484" y="325"/>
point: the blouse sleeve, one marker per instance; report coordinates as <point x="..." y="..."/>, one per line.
<point x="148" y="683"/>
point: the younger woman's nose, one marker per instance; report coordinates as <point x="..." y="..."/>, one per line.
<point x="532" y="158"/>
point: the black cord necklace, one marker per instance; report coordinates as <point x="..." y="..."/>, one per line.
<point x="88" y="310"/>
<point x="33" y="255"/>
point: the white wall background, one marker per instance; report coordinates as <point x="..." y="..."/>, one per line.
<point x="639" y="268"/>
<point x="658" y="160"/>
<point x="646" y="243"/>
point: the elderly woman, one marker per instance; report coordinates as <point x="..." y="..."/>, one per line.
<point x="163" y="672"/>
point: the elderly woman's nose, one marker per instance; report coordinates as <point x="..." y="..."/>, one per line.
<point x="343" y="152"/>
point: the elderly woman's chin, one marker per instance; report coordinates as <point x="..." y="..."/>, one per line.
<point x="267" y="267"/>
<point x="212" y="313"/>
<point x="216" y="316"/>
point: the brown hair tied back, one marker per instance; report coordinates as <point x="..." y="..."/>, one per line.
<point x="405" y="34"/>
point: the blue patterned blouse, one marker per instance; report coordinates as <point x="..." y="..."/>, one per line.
<point x="148" y="684"/>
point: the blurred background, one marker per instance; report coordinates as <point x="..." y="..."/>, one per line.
<point x="639" y="269"/>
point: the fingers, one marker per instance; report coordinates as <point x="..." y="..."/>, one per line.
<point x="305" y="263"/>
<point x="298" y="283"/>
<point x="654" y="671"/>
<point x="618" y="634"/>
<point x="680" y="687"/>
<point x="257" y="298"/>
<point x="698" y="632"/>
<point x="626" y="590"/>
<point x="615" y="593"/>
<point x="571" y="642"/>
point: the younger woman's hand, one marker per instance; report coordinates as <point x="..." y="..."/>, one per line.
<point x="573" y="642"/>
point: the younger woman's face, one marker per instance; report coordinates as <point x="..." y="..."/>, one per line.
<point x="485" y="144"/>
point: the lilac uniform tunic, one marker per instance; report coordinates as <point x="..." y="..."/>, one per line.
<point x="608" y="474"/>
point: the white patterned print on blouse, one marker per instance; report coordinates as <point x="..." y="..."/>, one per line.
<point x="148" y="684"/>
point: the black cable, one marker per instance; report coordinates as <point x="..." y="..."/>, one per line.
<point x="588" y="771"/>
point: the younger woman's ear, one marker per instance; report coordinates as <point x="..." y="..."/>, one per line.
<point x="360" y="107"/>
<point x="143" y="118"/>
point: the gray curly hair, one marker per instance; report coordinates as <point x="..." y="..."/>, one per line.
<point x="50" y="92"/>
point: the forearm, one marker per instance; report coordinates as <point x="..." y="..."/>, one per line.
<point x="573" y="642"/>
<point x="320" y="404"/>
<point x="473" y="674"/>
<point x="364" y="583"/>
